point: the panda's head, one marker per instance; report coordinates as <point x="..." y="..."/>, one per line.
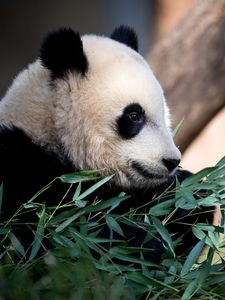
<point x="109" y="110"/>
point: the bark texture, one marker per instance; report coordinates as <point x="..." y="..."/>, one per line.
<point x="190" y="64"/>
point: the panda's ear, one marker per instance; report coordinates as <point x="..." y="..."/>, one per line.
<point x="62" y="51"/>
<point x="125" y="35"/>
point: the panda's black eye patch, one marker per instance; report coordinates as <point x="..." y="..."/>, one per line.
<point x="130" y="123"/>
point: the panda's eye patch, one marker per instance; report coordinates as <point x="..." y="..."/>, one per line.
<point x="130" y="123"/>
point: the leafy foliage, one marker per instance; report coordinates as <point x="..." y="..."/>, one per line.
<point x="80" y="266"/>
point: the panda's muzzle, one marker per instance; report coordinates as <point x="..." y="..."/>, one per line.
<point x="141" y="169"/>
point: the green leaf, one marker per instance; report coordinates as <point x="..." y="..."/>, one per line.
<point x="208" y="201"/>
<point x="162" y="208"/>
<point x="221" y="162"/>
<point x="77" y="192"/>
<point x="94" y="187"/>
<point x="117" y="203"/>
<point x="218" y="279"/>
<point x="86" y="172"/>
<point x="67" y="222"/>
<point x="185" y="199"/>
<point x="85" y="243"/>
<point x="39" y="235"/>
<point x="31" y="205"/>
<point x="164" y="233"/>
<point x="206" y="267"/>
<point x="217" y="173"/>
<point x="204" y="185"/>
<point x="177" y="128"/>
<point x="190" y="290"/>
<point x="126" y="250"/>
<point x="146" y="281"/>
<point x="201" y="235"/>
<point x="16" y="244"/>
<point x="135" y="260"/>
<point x="91" y="208"/>
<point x="80" y="203"/>
<point x="192" y="257"/>
<point x="214" y="238"/>
<point x="79" y="176"/>
<point x="113" y="202"/>
<point x="193" y="179"/>
<point x="4" y="230"/>
<point x="210" y="228"/>
<point x="198" y="232"/>
<point x="99" y="240"/>
<point x="171" y="279"/>
<point x="200" y="278"/>
<point x="3" y="254"/>
<point x="113" y="224"/>
<point x="61" y="239"/>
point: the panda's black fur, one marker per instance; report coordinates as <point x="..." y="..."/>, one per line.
<point x="63" y="51"/>
<point x="26" y="166"/>
<point x="125" y="35"/>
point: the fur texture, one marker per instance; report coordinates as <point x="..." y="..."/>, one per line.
<point x="80" y="112"/>
<point x="125" y="35"/>
<point x="105" y="110"/>
<point x="62" y="51"/>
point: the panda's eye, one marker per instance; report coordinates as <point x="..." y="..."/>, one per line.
<point x="134" y="117"/>
<point x="130" y="123"/>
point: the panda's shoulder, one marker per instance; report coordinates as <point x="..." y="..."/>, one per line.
<point x="18" y="153"/>
<point x="11" y="135"/>
<point x="15" y="142"/>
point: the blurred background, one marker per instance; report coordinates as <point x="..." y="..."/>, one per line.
<point x="183" y="40"/>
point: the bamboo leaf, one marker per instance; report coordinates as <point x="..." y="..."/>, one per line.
<point x="113" y="224"/>
<point x="92" y="208"/>
<point x="144" y="280"/>
<point x="200" y="278"/>
<point x="135" y="260"/>
<point x="39" y="235"/>
<point x="16" y="244"/>
<point x="79" y="176"/>
<point x="193" y="179"/>
<point x="221" y="162"/>
<point x="217" y="173"/>
<point x="94" y="187"/>
<point x="185" y="199"/>
<point x="190" y="290"/>
<point x="77" y="192"/>
<point x="162" y="208"/>
<point x="177" y="128"/>
<point x="164" y="233"/>
<point x="208" y="201"/>
<point x="192" y="257"/>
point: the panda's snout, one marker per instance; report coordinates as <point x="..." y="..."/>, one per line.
<point x="170" y="163"/>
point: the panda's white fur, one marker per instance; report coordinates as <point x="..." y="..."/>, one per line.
<point x="79" y="112"/>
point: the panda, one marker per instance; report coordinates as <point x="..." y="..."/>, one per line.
<point x="90" y="102"/>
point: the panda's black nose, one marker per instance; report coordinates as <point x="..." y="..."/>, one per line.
<point x="170" y="163"/>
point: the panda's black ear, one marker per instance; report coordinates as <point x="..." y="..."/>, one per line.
<point x="62" y="51"/>
<point x="125" y="35"/>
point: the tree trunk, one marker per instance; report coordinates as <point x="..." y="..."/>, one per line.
<point x="190" y="64"/>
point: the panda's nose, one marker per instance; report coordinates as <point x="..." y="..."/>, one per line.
<point x="170" y="163"/>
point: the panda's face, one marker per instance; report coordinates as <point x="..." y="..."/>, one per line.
<point x="111" y="115"/>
